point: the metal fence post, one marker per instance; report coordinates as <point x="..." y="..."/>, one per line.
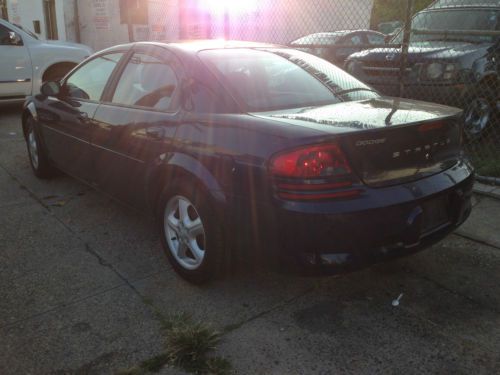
<point x="405" y="46"/>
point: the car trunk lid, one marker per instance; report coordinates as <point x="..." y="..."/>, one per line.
<point x="387" y="141"/>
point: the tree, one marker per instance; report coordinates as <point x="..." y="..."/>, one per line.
<point x="393" y="10"/>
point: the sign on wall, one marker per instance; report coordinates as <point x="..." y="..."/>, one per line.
<point x="100" y="9"/>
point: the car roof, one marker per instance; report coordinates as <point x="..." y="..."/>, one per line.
<point x="192" y="47"/>
<point x="340" y="32"/>
<point x="441" y="4"/>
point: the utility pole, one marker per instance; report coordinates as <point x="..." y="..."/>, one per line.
<point x="130" y="25"/>
<point x="227" y="26"/>
<point x="405" y="47"/>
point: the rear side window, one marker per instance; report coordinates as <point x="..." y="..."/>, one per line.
<point x="147" y="81"/>
<point x="89" y="80"/>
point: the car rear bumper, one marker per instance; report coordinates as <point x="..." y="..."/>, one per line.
<point x="385" y="223"/>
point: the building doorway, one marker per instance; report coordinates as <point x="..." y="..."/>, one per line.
<point x="49" y="10"/>
<point x="3" y="10"/>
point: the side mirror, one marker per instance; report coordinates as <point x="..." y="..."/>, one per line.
<point x="15" y="39"/>
<point x="51" y="88"/>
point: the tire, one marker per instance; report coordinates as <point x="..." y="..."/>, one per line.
<point x="192" y="233"/>
<point x="480" y="110"/>
<point x="38" y="158"/>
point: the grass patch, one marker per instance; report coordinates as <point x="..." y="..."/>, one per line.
<point x="189" y="345"/>
<point x="488" y="166"/>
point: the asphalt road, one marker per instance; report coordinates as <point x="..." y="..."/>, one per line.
<point x="82" y="278"/>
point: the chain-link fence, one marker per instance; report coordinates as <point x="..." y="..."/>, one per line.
<point x="443" y="51"/>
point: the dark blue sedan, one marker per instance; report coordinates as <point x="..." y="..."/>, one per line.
<point x="237" y="145"/>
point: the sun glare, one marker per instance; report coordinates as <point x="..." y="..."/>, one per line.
<point x="229" y="6"/>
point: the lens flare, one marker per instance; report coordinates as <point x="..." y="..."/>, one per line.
<point x="228" y="6"/>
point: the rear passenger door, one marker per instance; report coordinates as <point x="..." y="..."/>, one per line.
<point x="136" y="123"/>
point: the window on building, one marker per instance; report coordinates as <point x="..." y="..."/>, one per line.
<point x="88" y="81"/>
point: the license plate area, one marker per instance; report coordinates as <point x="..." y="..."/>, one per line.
<point x="436" y="214"/>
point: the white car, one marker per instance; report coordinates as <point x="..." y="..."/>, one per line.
<point x="26" y="61"/>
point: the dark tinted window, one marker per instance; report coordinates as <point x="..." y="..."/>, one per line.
<point x="89" y="80"/>
<point x="375" y="39"/>
<point x="4" y="35"/>
<point x="147" y="81"/>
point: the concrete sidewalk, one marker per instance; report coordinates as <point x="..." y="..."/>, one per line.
<point x="83" y="279"/>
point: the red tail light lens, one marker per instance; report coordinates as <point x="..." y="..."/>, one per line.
<point x="313" y="173"/>
<point x="311" y="162"/>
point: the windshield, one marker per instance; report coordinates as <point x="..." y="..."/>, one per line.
<point x="25" y="30"/>
<point x="275" y="79"/>
<point x="456" y="19"/>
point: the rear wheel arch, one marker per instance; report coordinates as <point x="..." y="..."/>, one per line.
<point x="181" y="168"/>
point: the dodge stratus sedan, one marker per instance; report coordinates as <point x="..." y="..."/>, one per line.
<point x="237" y="145"/>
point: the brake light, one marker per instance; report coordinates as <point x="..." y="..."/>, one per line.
<point x="431" y="126"/>
<point x="313" y="173"/>
<point x="311" y="162"/>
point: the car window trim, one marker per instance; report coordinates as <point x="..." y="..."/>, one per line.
<point x="163" y="54"/>
<point x="104" y="53"/>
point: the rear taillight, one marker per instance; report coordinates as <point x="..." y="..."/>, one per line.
<point x="313" y="173"/>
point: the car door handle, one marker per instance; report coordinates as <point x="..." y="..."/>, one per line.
<point x="155" y="133"/>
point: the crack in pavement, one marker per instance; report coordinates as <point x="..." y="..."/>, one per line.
<point x="102" y="261"/>
<point x="476" y="239"/>
<point x="233" y="327"/>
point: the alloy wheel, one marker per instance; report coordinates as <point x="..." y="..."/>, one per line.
<point x="33" y="148"/>
<point x="185" y="232"/>
<point x="477" y="116"/>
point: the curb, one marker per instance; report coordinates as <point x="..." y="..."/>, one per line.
<point x="486" y="190"/>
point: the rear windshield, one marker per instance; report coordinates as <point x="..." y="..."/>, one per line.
<point x="274" y="79"/>
<point x="455" y="20"/>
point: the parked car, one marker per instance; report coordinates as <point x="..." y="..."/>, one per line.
<point x="27" y="61"/>
<point x="455" y="65"/>
<point x="338" y="45"/>
<point x="236" y="143"/>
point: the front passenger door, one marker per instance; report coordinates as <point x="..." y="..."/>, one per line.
<point x="67" y="120"/>
<point x="15" y="66"/>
